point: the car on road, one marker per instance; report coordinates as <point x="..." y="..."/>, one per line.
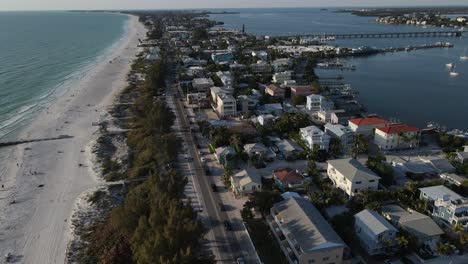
<point x="203" y="159"/>
<point x="200" y="152"/>
<point x="227" y="225"/>
<point x="214" y="187"/>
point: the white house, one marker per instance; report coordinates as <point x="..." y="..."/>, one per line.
<point x="260" y="67"/>
<point x="281" y="77"/>
<point x="344" y="134"/>
<point x="266" y="120"/>
<point x="351" y="176"/>
<point x="312" y="135"/>
<point x="246" y="182"/>
<point x="280" y="65"/>
<point x="397" y="137"/>
<point x="366" y="126"/>
<point x="215" y="90"/>
<point x="316" y="102"/>
<point x="226" y="78"/>
<point x="377" y="235"/>
<point x="227" y="105"/>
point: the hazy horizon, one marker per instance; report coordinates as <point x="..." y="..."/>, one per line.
<point x="35" y="5"/>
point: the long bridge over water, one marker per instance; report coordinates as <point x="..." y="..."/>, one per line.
<point x="420" y="34"/>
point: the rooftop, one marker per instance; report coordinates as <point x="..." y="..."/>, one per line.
<point x="368" y="121"/>
<point x="306" y="225"/>
<point x="353" y="170"/>
<point x="440" y="192"/>
<point x="374" y="221"/>
<point x="416" y="223"/>
<point x="287" y="175"/>
<point x="395" y="129"/>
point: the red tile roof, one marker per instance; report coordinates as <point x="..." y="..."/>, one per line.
<point x="368" y="121"/>
<point x="394" y="129"/>
<point x="287" y="175"/>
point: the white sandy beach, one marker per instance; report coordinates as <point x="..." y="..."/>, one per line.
<point x="36" y="228"/>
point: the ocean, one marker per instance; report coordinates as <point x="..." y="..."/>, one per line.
<point x="412" y="87"/>
<point x="42" y="53"/>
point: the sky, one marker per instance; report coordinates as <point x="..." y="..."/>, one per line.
<point x="190" y="4"/>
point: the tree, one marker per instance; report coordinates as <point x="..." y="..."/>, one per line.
<point x="360" y="146"/>
<point x="335" y="147"/>
<point x="377" y="164"/>
<point x="263" y="201"/>
<point x="444" y="249"/>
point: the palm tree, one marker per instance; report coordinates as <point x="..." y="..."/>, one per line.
<point x="402" y="242"/>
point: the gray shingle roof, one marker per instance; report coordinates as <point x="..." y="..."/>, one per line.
<point x="374" y="221"/>
<point x="439" y="191"/>
<point x="306" y="225"/>
<point x="415" y="223"/>
<point x="353" y="170"/>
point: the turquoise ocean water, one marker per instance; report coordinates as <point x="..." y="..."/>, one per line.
<point x="41" y="53"/>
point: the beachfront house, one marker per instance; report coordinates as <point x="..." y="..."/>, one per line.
<point x="398" y="136"/>
<point x="317" y="102"/>
<point x="304" y="235"/>
<point x="312" y="135"/>
<point x="448" y="207"/>
<point x="376" y="235"/>
<point x="351" y="176"/>
<point x="366" y="126"/>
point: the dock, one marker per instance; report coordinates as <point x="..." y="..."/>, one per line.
<point x="420" y="34"/>
<point x="24" y="141"/>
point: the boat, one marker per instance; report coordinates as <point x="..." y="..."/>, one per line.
<point x="449" y="65"/>
<point x="452" y="71"/>
<point x="464" y="56"/>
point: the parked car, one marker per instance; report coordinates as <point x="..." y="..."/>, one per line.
<point x="227" y="225"/>
<point x="214" y="187"/>
<point x="203" y="159"/>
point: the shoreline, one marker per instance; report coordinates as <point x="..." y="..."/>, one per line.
<point x="48" y="181"/>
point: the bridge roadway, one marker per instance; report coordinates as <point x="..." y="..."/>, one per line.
<point x="421" y="34"/>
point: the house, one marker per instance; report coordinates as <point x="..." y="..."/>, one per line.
<point x="312" y="135"/>
<point x="226" y="105"/>
<point x="224" y="155"/>
<point x="287" y="178"/>
<point x="325" y="116"/>
<point x="196" y="71"/>
<point x="258" y="149"/>
<point x="237" y="67"/>
<point x="448" y="207"/>
<point x="226" y="78"/>
<point x="274" y="109"/>
<point x="377" y="235"/>
<point x="344" y="134"/>
<point x="304" y="235"/>
<point x="341" y="117"/>
<point x="246" y="182"/>
<point x="281" y="77"/>
<point x="280" y="65"/>
<point x="266" y="120"/>
<point x="316" y="102"/>
<point x="274" y="91"/>
<point x="351" y="176"/>
<point x="440" y="165"/>
<point x="261" y="55"/>
<point x="366" y="126"/>
<point x="202" y="84"/>
<point x="302" y="90"/>
<point x="246" y="103"/>
<point x="421" y="226"/>
<point x="453" y="178"/>
<point x="289" y="149"/>
<point x="462" y="157"/>
<point x="398" y="136"/>
<point x="260" y="67"/>
<point x="215" y="90"/>
<point x="222" y="57"/>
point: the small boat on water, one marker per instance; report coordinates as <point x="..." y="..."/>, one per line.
<point x="453" y="73"/>
<point x="464" y="56"/>
<point x="449" y="65"/>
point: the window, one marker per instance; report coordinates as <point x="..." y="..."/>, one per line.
<point x="326" y="258"/>
<point x="358" y="182"/>
<point x="372" y="181"/>
<point x="311" y="261"/>
<point x="355" y="190"/>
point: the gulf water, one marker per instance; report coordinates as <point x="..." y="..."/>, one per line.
<point x="412" y="87"/>
<point x="42" y="53"/>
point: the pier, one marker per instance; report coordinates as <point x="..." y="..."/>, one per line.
<point x="24" y="141"/>
<point x="421" y="34"/>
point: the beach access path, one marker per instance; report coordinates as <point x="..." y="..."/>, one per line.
<point x="45" y="179"/>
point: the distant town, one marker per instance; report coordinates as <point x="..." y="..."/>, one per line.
<point x="270" y="163"/>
